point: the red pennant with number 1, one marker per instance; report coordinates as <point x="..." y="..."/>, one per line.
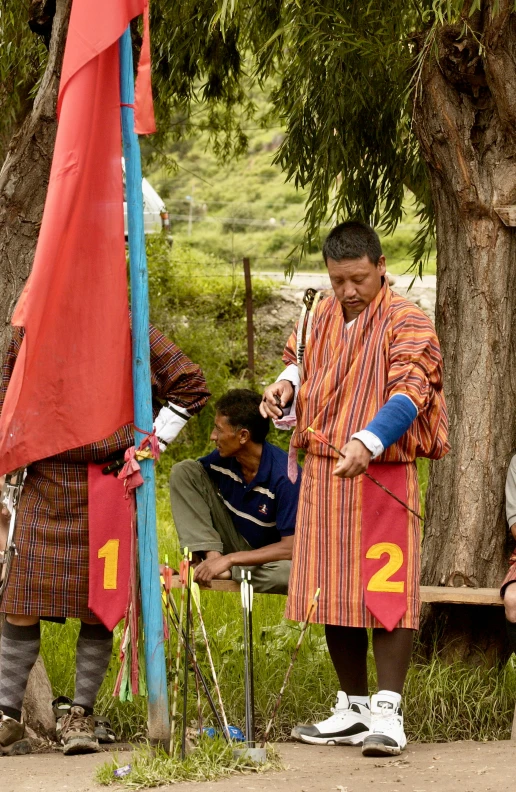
<point x="385" y="524"/>
<point x="109" y="518"/>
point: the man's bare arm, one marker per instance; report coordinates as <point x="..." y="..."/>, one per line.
<point x="279" y="551"/>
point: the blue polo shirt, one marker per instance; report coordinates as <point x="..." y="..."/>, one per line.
<point x="265" y="509"/>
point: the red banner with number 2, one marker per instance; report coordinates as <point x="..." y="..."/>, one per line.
<point x="109" y="518"/>
<point x="385" y="526"/>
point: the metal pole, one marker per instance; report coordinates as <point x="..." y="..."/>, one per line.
<point x="252" y="719"/>
<point x="249" y="311"/>
<point x="145" y="495"/>
<point x="244" y="594"/>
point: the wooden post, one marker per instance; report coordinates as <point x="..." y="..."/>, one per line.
<point x="145" y="495"/>
<point x="249" y="312"/>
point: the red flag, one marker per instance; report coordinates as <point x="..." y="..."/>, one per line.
<point x="72" y="384"/>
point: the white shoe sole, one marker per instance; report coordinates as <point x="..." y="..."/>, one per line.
<point x="378" y="748"/>
<point x="354" y="739"/>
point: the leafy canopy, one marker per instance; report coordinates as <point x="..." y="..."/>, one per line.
<point x="22" y="61"/>
<point x="340" y="75"/>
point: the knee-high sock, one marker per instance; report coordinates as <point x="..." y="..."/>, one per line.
<point x="511" y="634"/>
<point x="94" y="647"/>
<point x="19" y="649"/>
<point x="392" y="653"/>
<point x="348" y="651"/>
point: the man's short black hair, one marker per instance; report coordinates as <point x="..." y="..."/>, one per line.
<point x="352" y="240"/>
<point x="241" y="407"/>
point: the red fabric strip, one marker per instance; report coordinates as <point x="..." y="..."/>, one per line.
<point x="109" y="522"/>
<point x="144" y="123"/>
<point x="385" y="543"/>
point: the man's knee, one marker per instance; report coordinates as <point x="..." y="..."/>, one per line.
<point x="20" y="620"/>
<point x="272" y="578"/>
<point x="183" y="472"/>
<point x="509" y="601"/>
<point x="283" y="576"/>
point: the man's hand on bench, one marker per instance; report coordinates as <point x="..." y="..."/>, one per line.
<point x="215" y="565"/>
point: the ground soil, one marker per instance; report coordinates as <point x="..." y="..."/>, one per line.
<point x="464" y="766"/>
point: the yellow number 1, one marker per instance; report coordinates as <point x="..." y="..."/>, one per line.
<point x="110" y="553"/>
<point x="380" y="580"/>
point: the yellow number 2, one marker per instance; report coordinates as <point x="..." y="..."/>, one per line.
<point x="380" y="580"/>
<point x="110" y="553"/>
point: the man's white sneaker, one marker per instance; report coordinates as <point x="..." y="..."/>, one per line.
<point x="386" y="737"/>
<point x="347" y="725"/>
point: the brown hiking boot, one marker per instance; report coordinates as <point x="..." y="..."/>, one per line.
<point x="78" y="732"/>
<point x="12" y="737"/>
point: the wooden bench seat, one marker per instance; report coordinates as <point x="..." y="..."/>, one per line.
<point x="449" y="594"/>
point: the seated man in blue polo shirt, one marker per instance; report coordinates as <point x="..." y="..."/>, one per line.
<point x="236" y="508"/>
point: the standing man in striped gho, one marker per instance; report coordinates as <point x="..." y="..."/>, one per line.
<point x="370" y="380"/>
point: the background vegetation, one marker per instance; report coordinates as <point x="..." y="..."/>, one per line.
<point x="245" y="206"/>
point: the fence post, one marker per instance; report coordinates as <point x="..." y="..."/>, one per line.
<point x="249" y="314"/>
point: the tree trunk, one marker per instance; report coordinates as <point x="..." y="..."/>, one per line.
<point x="465" y="119"/>
<point x="24" y="179"/>
<point x="23" y="186"/>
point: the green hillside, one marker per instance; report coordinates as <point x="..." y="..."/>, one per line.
<point x="245" y="207"/>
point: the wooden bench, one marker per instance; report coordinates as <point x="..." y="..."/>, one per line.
<point x="463" y="595"/>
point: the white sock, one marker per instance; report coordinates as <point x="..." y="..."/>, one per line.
<point x="397" y="696"/>
<point x="364" y="700"/>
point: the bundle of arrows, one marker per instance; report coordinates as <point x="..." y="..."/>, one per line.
<point x="182" y="621"/>
<point x="185" y="654"/>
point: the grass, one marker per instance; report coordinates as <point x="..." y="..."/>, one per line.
<point x="212" y="760"/>
<point x="457" y="702"/>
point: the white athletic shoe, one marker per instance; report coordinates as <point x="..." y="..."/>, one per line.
<point x="386" y="737"/>
<point x="347" y="725"/>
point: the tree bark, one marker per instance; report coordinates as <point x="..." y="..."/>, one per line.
<point x="23" y="185"/>
<point x="24" y="179"/>
<point x="465" y="120"/>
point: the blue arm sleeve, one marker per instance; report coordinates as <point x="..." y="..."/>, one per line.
<point x="393" y="420"/>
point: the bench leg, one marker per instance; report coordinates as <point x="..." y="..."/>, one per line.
<point x="513" y="729"/>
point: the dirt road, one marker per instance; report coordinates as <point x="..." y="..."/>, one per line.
<point x="463" y="766"/>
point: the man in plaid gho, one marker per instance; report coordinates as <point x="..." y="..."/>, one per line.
<point x="50" y="575"/>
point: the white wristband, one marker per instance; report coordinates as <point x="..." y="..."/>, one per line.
<point x="169" y="422"/>
<point x="371" y="442"/>
<point x="291" y="374"/>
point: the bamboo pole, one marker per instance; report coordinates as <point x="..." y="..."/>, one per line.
<point x="158" y="720"/>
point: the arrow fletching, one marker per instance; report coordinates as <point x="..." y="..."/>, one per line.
<point x="250" y="590"/>
<point x="196" y="594"/>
